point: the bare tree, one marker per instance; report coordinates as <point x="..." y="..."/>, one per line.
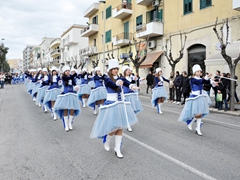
<point x="138" y="60"/>
<point x="82" y="61"/>
<point x="95" y="60"/>
<point x="172" y="62"/>
<point x="231" y="63"/>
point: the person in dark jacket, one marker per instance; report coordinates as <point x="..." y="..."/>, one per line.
<point x="216" y="79"/>
<point x="150" y="79"/>
<point x="207" y="86"/>
<point x="222" y="85"/>
<point x="185" y="86"/>
<point x="178" y="85"/>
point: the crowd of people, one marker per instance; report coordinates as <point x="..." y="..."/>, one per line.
<point x="10" y="78"/>
<point x="180" y="89"/>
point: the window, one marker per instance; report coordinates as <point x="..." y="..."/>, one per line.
<point x="187" y="6"/>
<point x="139" y="23"/>
<point x="126" y="30"/>
<point x="154" y="15"/>
<point x="95" y="20"/>
<point x="108" y="36"/>
<point x="205" y="3"/>
<point x="94" y="42"/>
<point x="109" y="12"/>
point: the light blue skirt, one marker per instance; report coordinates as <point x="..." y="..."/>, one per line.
<point x="67" y="101"/>
<point x="30" y="87"/>
<point x="135" y="102"/>
<point x="35" y="89"/>
<point x="84" y="89"/>
<point x="51" y="95"/>
<point x="113" y="117"/>
<point x="208" y="98"/>
<point x="194" y="106"/>
<point x="157" y="93"/>
<point x="91" y="84"/>
<point x="41" y="94"/>
<point x="97" y="94"/>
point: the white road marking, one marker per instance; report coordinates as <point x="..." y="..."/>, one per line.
<point x="207" y="119"/>
<point x="173" y="160"/>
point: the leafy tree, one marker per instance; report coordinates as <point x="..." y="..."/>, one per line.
<point x="4" y="66"/>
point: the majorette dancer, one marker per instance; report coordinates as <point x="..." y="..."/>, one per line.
<point x="32" y="81"/>
<point x="67" y="104"/>
<point x="196" y="105"/>
<point x="37" y="84"/>
<point x="99" y="93"/>
<point x="115" y="114"/>
<point x="44" y="86"/>
<point x="91" y="81"/>
<point x="53" y="91"/>
<point x="84" y="89"/>
<point x="159" y="93"/>
<point x="130" y="95"/>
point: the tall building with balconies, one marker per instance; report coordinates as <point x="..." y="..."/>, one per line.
<point x="71" y="44"/>
<point x="55" y="51"/>
<point x="26" y="57"/>
<point x="44" y="59"/>
<point x="115" y="27"/>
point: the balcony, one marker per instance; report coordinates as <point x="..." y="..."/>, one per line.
<point x="149" y="30"/>
<point x="69" y="42"/>
<point x="91" y="10"/>
<point x="90" y="30"/>
<point x="89" y="51"/>
<point x="236" y="5"/>
<point x="122" y="11"/>
<point x="144" y="2"/>
<point x="122" y="39"/>
<point x="55" y="43"/>
<point x="55" y="53"/>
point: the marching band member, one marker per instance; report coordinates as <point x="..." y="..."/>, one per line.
<point x="99" y="93"/>
<point x="130" y="95"/>
<point x="53" y="91"/>
<point x="37" y="85"/>
<point x="196" y="106"/>
<point x="159" y="93"/>
<point x="42" y="89"/>
<point x="84" y="89"/>
<point x="67" y="105"/>
<point x="115" y="114"/>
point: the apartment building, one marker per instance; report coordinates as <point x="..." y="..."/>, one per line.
<point x="44" y="59"/>
<point x="26" y="57"/>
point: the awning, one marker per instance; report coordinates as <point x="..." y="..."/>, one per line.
<point x="150" y="59"/>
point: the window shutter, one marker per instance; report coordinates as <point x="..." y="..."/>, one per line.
<point x="160" y="14"/>
<point x="108" y="12"/>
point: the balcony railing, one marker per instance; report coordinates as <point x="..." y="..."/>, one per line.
<point x="55" y="53"/>
<point x="88" y="51"/>
<point x="91" y="10"/>
<point x="152" y="29"/>
<point x="90" y="30"/>
<point x="144" y="2"/>
<point x="122" y="11"/>
<point x="236" y="5"/>
<point x="122" y="39"/>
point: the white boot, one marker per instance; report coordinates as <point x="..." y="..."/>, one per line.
<point x="39" y="104"/>
<point x="198" y="131"/>
<point x="107" y="143"/>
<point x="95" y="110"/>
<point x="84" y="102"/>
<point x="70" y="122"/>
<point x="54" y="115"/>
<point x="65" y="120"/>
<point x="129" y="129"/>
<point x="117" y="149"/>
<point x="34" y="99"/>
<point x="45" y="108"/>
<point x="191" y="123"/>
<point x="159" y="108"/>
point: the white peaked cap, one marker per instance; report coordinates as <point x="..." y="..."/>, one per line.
<point x="54" y="68"/>
<point x="113" y="63"/>
<point x="84" y="69"/>
<point x="34" y="70"/>
<point x="97" y="69"/>
<point x="93" y="70"/>
<point x="196" y="67"/>
<point x="39" y="69"/>
<point x="65" y="68"/>
<point x="124" y="68"/>
<point x="158" y="69"/>
<point x="45" y="70"/>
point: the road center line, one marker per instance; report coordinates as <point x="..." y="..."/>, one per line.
<point x="173" y="160"/>
<point x="219" y="122"/>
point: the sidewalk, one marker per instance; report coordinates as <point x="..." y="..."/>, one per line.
<point x="212" y="109"/>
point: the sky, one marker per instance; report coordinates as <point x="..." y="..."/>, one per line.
<point x="26" y="22"/>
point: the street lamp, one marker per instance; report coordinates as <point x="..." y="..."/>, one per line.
<point x="104" y="23"/>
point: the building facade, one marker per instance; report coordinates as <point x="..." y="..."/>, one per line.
<point x="26" y="57"/>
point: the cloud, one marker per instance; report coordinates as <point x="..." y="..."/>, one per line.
<point x="28" y="21"/>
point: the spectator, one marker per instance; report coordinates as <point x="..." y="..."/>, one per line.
<point x="185" y="86"/>
<point x="2" y="80"/>
<point x="222" y="85"/>
<point x="150" y="79"/>
<point x="235" y="92"/>
<point x="171" y="88"/>
<point x="216" y="79"/>
<point x="207" y="86"/>
<point x="178" y="86"/>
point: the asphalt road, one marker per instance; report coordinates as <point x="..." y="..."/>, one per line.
<point x="33" y="146"/>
